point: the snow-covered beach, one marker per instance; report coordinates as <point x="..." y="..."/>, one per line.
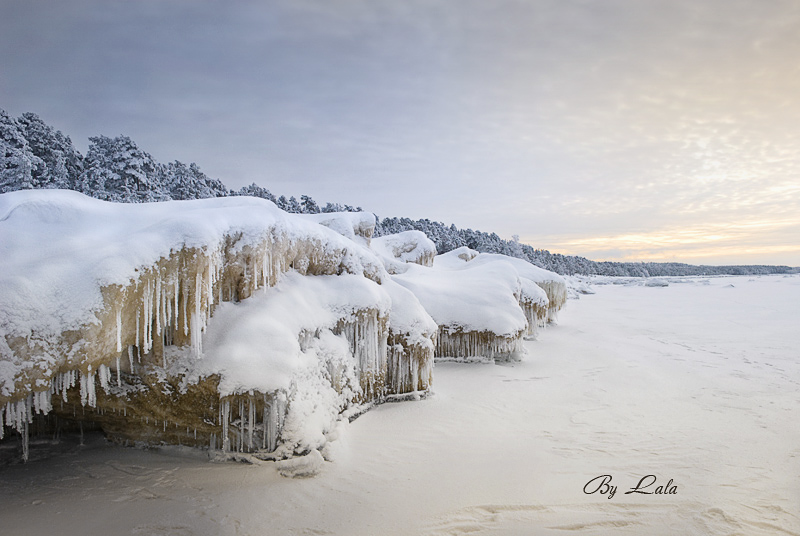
<point x="697" y="383"/>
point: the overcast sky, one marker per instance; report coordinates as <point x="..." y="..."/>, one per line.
<point x="613" y="129"/>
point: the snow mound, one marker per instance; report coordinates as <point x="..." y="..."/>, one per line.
<point x="406" y="247"/>
<point x="484" y="304"/>
<point x="356" y="226"/>
<point x="301" y="466"/>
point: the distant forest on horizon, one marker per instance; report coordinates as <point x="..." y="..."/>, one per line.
<point x="34" y="155"/>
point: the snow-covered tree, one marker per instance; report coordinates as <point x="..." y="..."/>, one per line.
<point x="115" y="169"/>
<point x="19" y="167"/>
<point x="254" y="190"/>
<point x="308" y="205"/>
<point x="63" y="163"/>
<point x="188" y="182"/>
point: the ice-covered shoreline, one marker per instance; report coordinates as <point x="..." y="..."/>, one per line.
<point x="695" y="383"/>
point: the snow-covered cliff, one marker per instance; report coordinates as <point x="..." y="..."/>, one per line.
<point x="229" y="323"/>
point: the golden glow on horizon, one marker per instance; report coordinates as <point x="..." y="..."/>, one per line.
<point x="685" y="244"/>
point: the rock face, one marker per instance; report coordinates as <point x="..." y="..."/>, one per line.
<point x="229" y="324"/>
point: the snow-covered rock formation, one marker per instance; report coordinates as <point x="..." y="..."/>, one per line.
<point x="231" y="324"/>
<point x="483" y="303"/>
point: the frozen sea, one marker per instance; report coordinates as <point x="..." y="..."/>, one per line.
<point x="694" y="387"/>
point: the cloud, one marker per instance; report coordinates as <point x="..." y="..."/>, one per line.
<point x="555" y="118"/>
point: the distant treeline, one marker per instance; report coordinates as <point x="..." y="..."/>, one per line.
<point x="35" y="155"/>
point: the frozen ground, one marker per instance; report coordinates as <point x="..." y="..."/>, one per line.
<point x="698" y="382"/>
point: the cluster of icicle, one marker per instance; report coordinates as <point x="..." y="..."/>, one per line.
<point x="171" y="303"/>
<point x="409" y="368"/>
<point x="458" y="345"/>
<point x="242" y="428"/>
<point x="557" y="296"/>
<point x="367" y="335"/>
<point x="19" y="414"/>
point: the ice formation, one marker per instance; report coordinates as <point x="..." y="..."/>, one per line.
<point x="553" y="285"/>
<point x="484" y="303"/>
<point x="230" y="324"/>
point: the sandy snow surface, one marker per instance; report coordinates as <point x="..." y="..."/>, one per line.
<point x="697" y="382"/>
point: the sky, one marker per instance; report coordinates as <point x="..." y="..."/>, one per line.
<point x="635" y="130"/>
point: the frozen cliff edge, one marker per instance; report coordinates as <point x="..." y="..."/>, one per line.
<point x="226" y="323"/>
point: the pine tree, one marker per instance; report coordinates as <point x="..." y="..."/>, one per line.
<point x="309" y="206"/>
<point x="63" y="163"/>
<point x="254" y="190"/>
<point x="117" y="170"/>
<point x="19" y="167"/>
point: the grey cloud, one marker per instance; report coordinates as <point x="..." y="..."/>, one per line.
<point x="528" y="117"/>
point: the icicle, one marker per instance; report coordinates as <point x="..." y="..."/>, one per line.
<point x="225" y="410"/>
<point x="119" y="377"/>
<point x="157" y="303"/>
<point x="177" y="292"/>
<point x="42" y="402"/>
<point x="104" y="373"/>
<point x="241" y="425"/>
<point x="264" y="273"/>
<point x="252" y="422"/>
<point x="264" y="418"/>
<point x="119" y="330"/>
<point x="148" y="319"/>
<point x="84" y="390"/>
<point x="185" y="317"/>
<point x="88" y="393"/>
<point x="28" y="408"/>
<point x="130" y="355"/>
<point x="25" y="441"/>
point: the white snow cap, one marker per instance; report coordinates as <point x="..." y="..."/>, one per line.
<point x="472" y="297"/>
<point x="405" y="247"/>
<point x="357" y="226"/>
<point x="254" y="344"/>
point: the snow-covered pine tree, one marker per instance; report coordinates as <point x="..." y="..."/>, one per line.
<point x="19" y="167"/>
<point x="63" y="163"/>
<point x="293" y="206"/>
<point x="254" y="190"/>
<point x="188" y="182"/>
<point x="115" y="169"/>
<point x="308" y="205"/>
